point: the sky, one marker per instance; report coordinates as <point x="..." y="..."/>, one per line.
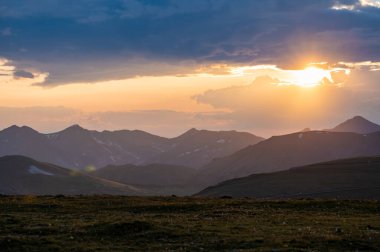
<point x="165" y="66"/>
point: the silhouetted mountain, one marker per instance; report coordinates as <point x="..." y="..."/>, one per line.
<point x="282" y="152"/>
<point x="357" y="124"/>
<point x="159" y="178"/>
<point x="79" y="148"/>
<point x="28" y="142"/>
<point x="83" y="148"/>
<point x="305" y="130"/>
<point x="22" y="175"/>
<point x="195" y="147"/>
<point x="356" y="178"/>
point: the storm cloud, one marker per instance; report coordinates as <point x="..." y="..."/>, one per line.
<point x="23" y="74"/>
<point x="88" y="41"/>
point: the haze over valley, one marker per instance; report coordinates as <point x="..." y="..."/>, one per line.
<point x="184" y="165"/>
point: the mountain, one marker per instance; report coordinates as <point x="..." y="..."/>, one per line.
<point x="283" y="152"/>
<point x="357" y="124"/>
<point x="22" y="175"/>
<point x="81" y="149"/>
<point x="356" y="178"/>
<point x="196" y="148"/>
<point x="162" y="179"/>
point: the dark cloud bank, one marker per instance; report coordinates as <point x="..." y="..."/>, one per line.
<point x="101" y="40"/>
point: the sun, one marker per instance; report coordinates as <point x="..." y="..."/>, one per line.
<point x="310" y="76"/>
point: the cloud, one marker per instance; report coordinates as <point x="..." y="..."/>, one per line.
<point x="366" y="65"/>
<point x="264" y="107"/>
<point x="23" y="74"/>
<point x="354" y="5"/>
<point x="102" y="40"/>
<point x="268" y="104"/>
<point x="9" y="73"/>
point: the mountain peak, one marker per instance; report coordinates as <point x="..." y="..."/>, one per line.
<point x="357" y="124"/>
<point x="358" y="117"/>
<point x="15" y="128"/>
<point x="190" y="132"/>
<point x="75" y="127"/>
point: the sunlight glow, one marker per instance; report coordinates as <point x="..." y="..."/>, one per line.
<point x="310" y="76"/>
<point x="314" y="74"/>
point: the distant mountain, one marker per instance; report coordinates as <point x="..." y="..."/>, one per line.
<point x="198" y="147"/>
<point x="162" y="179"/>
<point x="22" y="175"/>
<point x="357" y="124"/>
<point x="80" y="149"/>
<point x="282" y="152"/>
<point x="356" y="178"/>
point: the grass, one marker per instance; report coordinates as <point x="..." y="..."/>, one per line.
<point x="116" y="223"/>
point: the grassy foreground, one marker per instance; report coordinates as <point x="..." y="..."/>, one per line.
<point x="110" y="223"/>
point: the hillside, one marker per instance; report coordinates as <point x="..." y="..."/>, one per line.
<point x="161" y="179"/>
<point x="22" y="175"/>
<point x="283" y="152"/>
<point x="355" y="178"/>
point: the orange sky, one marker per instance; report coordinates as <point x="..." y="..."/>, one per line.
<point x="143" y="93"/>
<point x="218" y="97"/>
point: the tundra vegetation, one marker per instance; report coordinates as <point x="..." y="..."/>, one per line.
<point x="117" y="223"/>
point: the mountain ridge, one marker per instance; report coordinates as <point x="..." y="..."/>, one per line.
<point x="357" y="124"/>
<point x="354" y="178"/>
<point x="78" y="148"/>
<point x="282" y="152"/>
<point x="24" y="175"/>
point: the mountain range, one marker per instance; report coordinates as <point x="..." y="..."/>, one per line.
<point x="282" y="152"/>
<point x="81" y="149"/>
<point x="139" y="163"/>
<point x="352" y="138"/>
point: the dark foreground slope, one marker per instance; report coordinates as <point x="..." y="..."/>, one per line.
<point x="160" y="179"/>
<point x="283" y="152"/>
<point x="22" y="175"/>
<point x="357" y="178"/>
<point x="186" y="224"/>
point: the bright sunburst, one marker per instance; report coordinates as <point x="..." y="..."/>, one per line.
<point x="310" y="76"/>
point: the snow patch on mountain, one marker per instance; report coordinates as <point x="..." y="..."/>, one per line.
<point x="35" y="170"/>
